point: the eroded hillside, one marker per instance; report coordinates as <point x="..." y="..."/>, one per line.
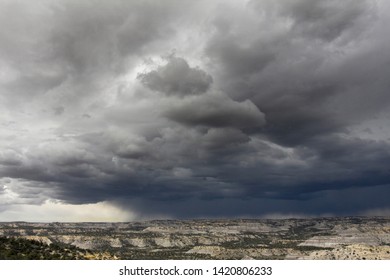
<point x="324" y="238"/>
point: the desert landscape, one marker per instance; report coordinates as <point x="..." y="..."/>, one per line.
<point x="344" y="238"/>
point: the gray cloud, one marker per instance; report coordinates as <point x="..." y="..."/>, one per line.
<point x="217" y="111"/>
<point x="266" y="106"/>
<point x="325" y="20"/>
<point x="177" y="78"/>
<point x="300" y="72"/>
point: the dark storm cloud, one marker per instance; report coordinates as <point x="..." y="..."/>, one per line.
<point x="218" y="139"/>
<point x="217" y="111"/>
<point x="327" y="203"/>
<point x="264" y="107"/>
<point x="177" y="78"/>
<point x="301" y="83"/>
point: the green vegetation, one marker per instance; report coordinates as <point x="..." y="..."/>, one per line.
<point x="248" y="241"/>
<point x="12" y="248"/>
<point x="163" y="254"/>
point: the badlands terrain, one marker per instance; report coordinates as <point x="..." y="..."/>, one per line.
<point x="322" y="238"/>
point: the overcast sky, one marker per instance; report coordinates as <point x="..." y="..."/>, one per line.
<point x="126" y="110"/>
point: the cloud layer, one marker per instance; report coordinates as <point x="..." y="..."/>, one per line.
<point x="195" y="108"/>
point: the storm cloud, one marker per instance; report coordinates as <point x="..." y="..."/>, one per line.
<point x="217" y="111"/>
<point x="177" y="78"/>
<point x="188" y="109"/>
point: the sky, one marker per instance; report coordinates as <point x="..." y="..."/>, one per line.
<point x="133" y="110"/>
